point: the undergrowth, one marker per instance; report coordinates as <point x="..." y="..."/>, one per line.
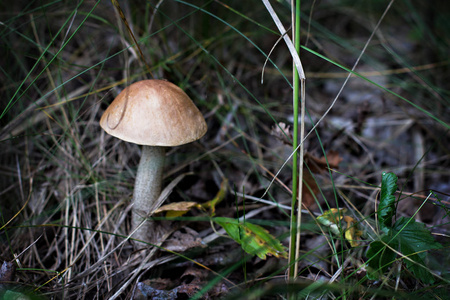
<point x="377" y="104"/>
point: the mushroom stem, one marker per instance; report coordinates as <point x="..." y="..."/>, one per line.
<point x="147" y="189"/>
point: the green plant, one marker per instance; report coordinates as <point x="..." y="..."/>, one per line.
<point x="254" y="239"/>
<point x="406" y="238"/>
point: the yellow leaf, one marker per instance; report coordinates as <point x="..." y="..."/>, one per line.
<point x="218" y="198"/>
<point x="177" y="209"/>
<point x="331" y="218"/>
<point x="352" y="233"/>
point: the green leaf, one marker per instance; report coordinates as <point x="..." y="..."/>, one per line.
<point x="254" y="239"/>
<point x="415" y="242"/>
<point x="380" y="256"/>
<point x="386" y="208"/>
<point x="410" y="238"/>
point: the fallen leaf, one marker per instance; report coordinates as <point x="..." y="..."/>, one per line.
<point x="176" y="209"/>
<point x="283" y="133"/>
<point x="310" y="188"/>
<point x="253" y="238"/>
<point x="190" y="289"/>
<point x="331" y="218"/>
<point x="352" y="233"/>
<point x="181" y="241"/>
<point x="194" y="275"/>
<point x="152" y="293"/>
<point x="317" y="166"/>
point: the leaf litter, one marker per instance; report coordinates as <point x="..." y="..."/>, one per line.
<point x="79" y="181"/>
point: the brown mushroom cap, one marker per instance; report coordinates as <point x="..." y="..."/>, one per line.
<point x="154" y="113"/>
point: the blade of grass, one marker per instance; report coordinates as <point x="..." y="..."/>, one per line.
<point x="351" y="71"/>
<point x="290" y="45"/>
<point x="14" y="99"/>
<point x="124" y="19"/>
<point x="297" y="178"/>
<point x="298" y="186"/>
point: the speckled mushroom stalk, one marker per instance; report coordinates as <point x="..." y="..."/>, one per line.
<point x="155" y="114"/>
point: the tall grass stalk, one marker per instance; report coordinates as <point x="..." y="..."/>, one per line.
<point x="297" y="178"/>
<point x="298" y="74"/>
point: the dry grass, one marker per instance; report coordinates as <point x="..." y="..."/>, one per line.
<point x="66" y="186"/>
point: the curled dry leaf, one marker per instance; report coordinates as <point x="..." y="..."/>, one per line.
<point x="193" y="274"/>
<point x="282" y="132"/>
<point x="332" y="219"/>
<point x="176" y="209"/>
<point x="183" y="240"/>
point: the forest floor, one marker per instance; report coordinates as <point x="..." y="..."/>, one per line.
<point x="66" y="185"/>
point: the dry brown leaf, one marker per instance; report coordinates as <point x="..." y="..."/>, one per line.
<point x="189" y="289"/>
<point x="194" y="275"/>
<point x="310" y="188"/>
<point x="182" y="241"/>
<point x="176" y="209"/>
<point x="318" y="166"/>
<point x="195" y="279"/>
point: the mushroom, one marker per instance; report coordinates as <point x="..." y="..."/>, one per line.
<point x="156" y="114"/>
